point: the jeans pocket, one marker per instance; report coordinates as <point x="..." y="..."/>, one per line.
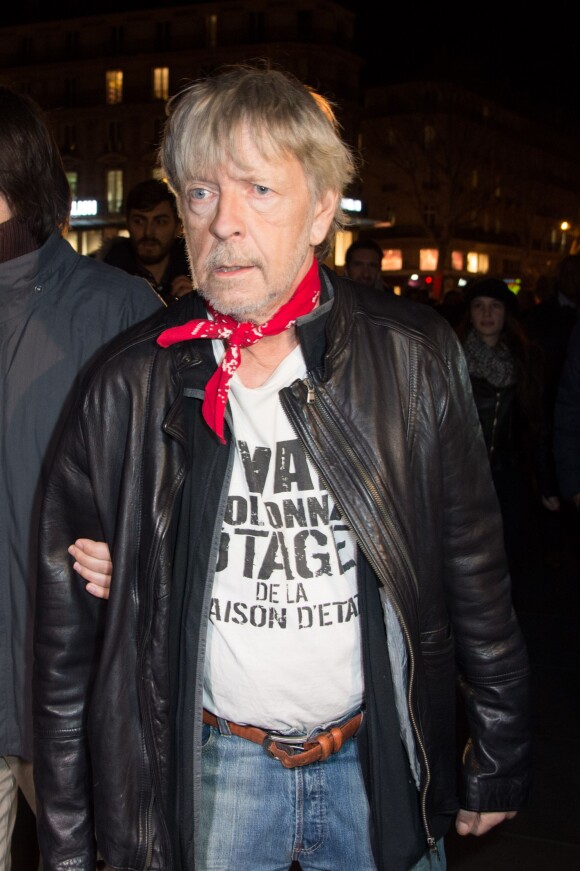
<point x="206" y="734"/>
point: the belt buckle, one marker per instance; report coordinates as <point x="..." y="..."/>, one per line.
<point x="299" y="740"/>
<point x="293" y="744"/>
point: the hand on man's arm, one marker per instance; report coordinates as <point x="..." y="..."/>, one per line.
<point x="474" y="823"/>
<point x="93" y="563"/>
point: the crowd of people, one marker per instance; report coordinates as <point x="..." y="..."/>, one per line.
<point x="516" y="347"/>
<point x="258" y="537"/>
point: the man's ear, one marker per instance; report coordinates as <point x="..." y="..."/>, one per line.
<point x="324" y="211"/>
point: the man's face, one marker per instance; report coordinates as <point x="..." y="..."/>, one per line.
<point x="152" y="233"/>
<point x="365" y="267"/>
<point x="251" y="228"/>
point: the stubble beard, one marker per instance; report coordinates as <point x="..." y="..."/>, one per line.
<point x="152" y="258"/>
<point x="253" y="311"/>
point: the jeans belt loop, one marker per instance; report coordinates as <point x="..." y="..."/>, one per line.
<point x="317" y="749"/>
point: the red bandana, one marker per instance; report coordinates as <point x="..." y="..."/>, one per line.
<point x="237" y="336"/>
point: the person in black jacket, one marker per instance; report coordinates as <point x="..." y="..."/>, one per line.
<point x="305" y="539"/>
<point x="155" y="248"/>
<point x="567" y="423"/>
<point x="58" y="308"/>
<point x="550" y="323"/>
<point x="507" y="375"/>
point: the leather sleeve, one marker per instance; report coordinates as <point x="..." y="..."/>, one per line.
<point x="491" y="654"/>
<point x="68" y="634"/>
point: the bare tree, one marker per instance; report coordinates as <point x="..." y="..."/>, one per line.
<point x="448" y="164"/>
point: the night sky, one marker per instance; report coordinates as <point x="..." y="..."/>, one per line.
<point x="526" y="62"/>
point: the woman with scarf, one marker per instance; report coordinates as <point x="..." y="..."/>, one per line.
<point x="507" y="377"/>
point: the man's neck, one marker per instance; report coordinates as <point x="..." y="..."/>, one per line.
<point x="263" y="358"/>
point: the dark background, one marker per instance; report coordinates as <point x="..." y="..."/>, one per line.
<point x="523" y="57"/>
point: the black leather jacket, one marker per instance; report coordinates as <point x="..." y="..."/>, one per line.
<point x="387" y="414"/>
<point x="515" y="448"/>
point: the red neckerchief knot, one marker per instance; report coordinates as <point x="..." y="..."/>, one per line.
<point x="238" y="335"/>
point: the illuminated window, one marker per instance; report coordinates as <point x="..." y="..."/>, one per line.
<point x="114" y="87"/>
<point x="472" y="261"/>
<point x="211" y="22"/>
<point x="457" y="260"/>
<point x="477" y="262"/>
<point x="115" y="191"/>
<point x="73" y="180"/>
<point x="428" y="259"/>
<point x="342" y="241"/>
<point x="392" y="259"/>
<point x="161" y="83"/>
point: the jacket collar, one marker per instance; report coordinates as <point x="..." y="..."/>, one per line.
<point x="25" y="280"/>
<point x="198" y="359"/>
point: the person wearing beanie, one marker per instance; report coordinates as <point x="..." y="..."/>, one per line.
<point x="507" y="378"/>
<point x="492" y="288"/>
<point x="57" y="308"/>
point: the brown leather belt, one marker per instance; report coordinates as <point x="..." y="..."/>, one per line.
<point x="317" y="749"/>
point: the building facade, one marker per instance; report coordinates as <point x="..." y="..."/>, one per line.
<point x="105" y="79"/>
<point x="452" y="184"/>
<point x="460" y="185"/>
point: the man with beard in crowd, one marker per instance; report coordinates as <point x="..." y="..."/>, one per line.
<point x="155" y="248"/>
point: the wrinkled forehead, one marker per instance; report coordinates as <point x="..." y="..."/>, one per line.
<point x="237" y="144"/>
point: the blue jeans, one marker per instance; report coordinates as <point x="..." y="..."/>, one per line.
<point x="257" y="815"/>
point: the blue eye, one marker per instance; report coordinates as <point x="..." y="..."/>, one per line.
<point x="198" y="194"/>
<point x="262" y="189"/>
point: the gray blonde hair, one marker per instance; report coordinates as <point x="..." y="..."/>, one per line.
<point x="288" y="117"/>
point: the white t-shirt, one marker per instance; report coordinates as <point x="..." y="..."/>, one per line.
<point x="284" y="634"/>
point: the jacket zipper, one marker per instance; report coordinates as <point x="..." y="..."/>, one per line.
<point x="311" y="397"/>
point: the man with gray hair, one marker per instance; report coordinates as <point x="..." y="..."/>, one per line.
<point x="305" y="539"/>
